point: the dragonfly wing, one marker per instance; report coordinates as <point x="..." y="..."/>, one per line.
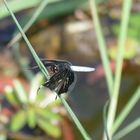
<point x="61" y="81"/>
<point x="56" y="81"/>
<point x="82" y="69"/>
<point x="70" y="81"/>
<point x="67" y="82"/>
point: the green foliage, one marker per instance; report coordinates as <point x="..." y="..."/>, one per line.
<point x="32" y="114"/>
<point x="121" y="31"/>
<point x="131" y="47"/>
<point x="45" y="72"/>
<point x="10" y="96"/>
<point x="18" y="120"/>
<point x="29" y="110"/>
<point x="20" y="92"/>
<point x="128" y="129"/>
<point x="119" y="63"/>
<point x="133" y="27"/>
<point x="17" y="6"/>
<point x="47" y="114"/>
<point x="60" y="6"/>
<point x="31" y="117"/>
<point x="102" y="46"/>
<point x="49" y="128"/>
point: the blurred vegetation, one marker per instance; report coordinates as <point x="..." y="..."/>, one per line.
<point x="27" y="105"/>
<point x="133" y="27"/>
<point x="29" y="111"/>
<point x="60" y="6"/>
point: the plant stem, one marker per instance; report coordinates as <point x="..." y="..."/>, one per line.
<point x="119" y="62"/>
<point x="75" y="119"/>
<point x="102" y="46"/>
<point x="39" y="63"/>
<point x="126" y="110"/>
<point x="104" y="120"/>
<point x="130" y="127"/>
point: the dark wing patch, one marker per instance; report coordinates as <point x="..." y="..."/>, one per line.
<point x="56" y="81"/>
<point x="60" y="82"/>
<point x="71" y="80"/>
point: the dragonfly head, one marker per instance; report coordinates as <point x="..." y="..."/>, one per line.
<point x="60" y="67"/>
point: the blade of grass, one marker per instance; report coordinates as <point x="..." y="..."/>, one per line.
<point x="102" y="46"/>
<point x="119" y="61"/>
<point x="17" y="5"/>
<point x="42" y="67"/>
<point x="126" y="110"/>
<point x="75" y="119"/>
<point x="20" y="92"/>
<point x="105" y="120"/>
<point x="129" y="128"/>
<point x="38" y="61"/>
<point x="18" y="36"/>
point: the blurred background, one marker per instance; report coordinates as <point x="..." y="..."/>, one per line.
<point x="63" y="30"/>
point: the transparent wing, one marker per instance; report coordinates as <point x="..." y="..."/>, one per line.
<point x="82" y="69"/>
<point x="48" y="63"/>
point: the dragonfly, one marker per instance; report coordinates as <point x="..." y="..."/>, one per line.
<point x="62" y="75"/>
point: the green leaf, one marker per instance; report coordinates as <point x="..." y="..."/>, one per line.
<point x="10" y="96"/>
<point x="133" y="18"/>
<point x="105" y="119"/>
<point x="35" y="83"/>
<point x="31" y="117"/>
<point x="48" y="114"/>
<point x="18" y="121"/>
<point x="17" y="6"/>
<point x="49" y="128"/>
<point x="20" y="92"/>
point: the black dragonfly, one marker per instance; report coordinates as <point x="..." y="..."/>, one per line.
<point x="62" y="74"/>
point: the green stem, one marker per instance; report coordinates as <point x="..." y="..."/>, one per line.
<point x="102" y="46"/>
<point x="128" y="107"/>
<point x="104" y="120"/>
<point x="39" y="63"/>
<point x="129" y="128"/>
<point x="119" y="62"/>
<point x="75" y="119"/>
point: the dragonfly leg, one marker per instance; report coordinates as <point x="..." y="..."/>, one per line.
<point x="43" y="85"/>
